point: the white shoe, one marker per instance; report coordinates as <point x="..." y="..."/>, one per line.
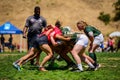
<point x="16" y="66"/>
<point x="78" y="71"/>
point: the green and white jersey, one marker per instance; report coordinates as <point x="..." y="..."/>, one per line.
<point x="95" y="31"/>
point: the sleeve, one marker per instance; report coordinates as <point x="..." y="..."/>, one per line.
<point x="27" y="24"/>
<point x="90" y="33"/>
<point x="44" y="24"/>
<point x="88" y="30"/>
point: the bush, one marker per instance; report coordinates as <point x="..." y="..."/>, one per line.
<point x="117" y="16"/>
<point x="37" y="1"/>
<point x="117" y="11"/>
<point x="104" y="17"/>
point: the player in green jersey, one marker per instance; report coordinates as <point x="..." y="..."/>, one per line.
<point x="95" y="36"/>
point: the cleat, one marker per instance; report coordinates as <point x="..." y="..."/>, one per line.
<point x="73" y="67"/>
<point x="77" y="70"/>
<point x="97" y="66"/>
<point x="17" y="66"/>
<point x="94" y="69"/>
<point x="90" y="69"/>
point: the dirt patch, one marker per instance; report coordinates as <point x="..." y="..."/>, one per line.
<point x="113" y="58"/>
<point x="67" y="11"/>
<point x="2" y="54"/>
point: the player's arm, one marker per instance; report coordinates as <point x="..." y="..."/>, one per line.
<point x="44" y="24"/>
<point x="91" y="37"/>
<point x="62" y="37"/>
<point x="54" y="43"/>
<point x="25" y="29"/>
<point x="48" y="32"/>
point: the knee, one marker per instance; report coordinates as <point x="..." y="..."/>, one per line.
<point x="51" y="55"/>
<point x="84" y="59"/>
<point x="72" y="52"/>
<point x="92" y="50"/>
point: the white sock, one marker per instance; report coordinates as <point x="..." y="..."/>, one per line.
<point x="80" y="67"/>
<point x="91" y="65"/>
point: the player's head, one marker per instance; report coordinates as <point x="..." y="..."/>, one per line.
<point x="37" y="11"/>
<point x="81" y="25"/>
<point x="58" y="24"/>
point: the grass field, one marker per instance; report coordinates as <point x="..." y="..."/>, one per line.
<point x="110" y="69"/>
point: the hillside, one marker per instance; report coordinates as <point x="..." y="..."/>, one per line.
<point x="68" y="11"/>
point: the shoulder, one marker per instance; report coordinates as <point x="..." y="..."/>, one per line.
<point x="30" y="17"/>
<point x="42" y="18"/>
<point x="88" y="28"/>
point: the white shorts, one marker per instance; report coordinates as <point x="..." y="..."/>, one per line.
<point x="99" y="40"/>
<point x="82" y="40"/>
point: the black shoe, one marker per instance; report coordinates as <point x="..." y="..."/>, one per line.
<point x="59" y="58"/>
<point x="93" y="69"/>
<point x="32" y="62"/>
<point x="76" y="70"/>
<point x="71" y="66"/>
<point x="97" y="66"/>
<point x="90" y="69"/>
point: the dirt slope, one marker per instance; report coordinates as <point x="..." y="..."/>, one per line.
<point x="68" y="11"/>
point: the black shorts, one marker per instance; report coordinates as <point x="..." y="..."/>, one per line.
<point x="31" y="40"/>
<point x="38" y="41"/>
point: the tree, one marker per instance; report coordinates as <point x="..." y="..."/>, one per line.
<point x="104" y="17"/>
<point x="117" y="10"/>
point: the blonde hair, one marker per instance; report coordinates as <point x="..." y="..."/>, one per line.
<point x="82" y="23"/>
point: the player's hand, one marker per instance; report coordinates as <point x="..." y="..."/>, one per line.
<point x="24" y="36"/>
<point x="74" y="36"/>
<point x="68" y="38"/>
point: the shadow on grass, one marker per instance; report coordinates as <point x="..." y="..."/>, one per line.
<point x="52" y="67"/>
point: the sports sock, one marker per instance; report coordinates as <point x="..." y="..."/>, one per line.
<point x="95" y="57"/>
<point x="91" y="65"/>
<point x="80" y="67"/>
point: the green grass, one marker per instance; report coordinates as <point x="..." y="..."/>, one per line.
<point x="110" y="69"/>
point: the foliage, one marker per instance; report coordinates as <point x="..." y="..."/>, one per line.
<point x="104" y="17"/>
<point x="109" y="70"/>
<point x="117" y="10"/>
<point x="38" y="1"/>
